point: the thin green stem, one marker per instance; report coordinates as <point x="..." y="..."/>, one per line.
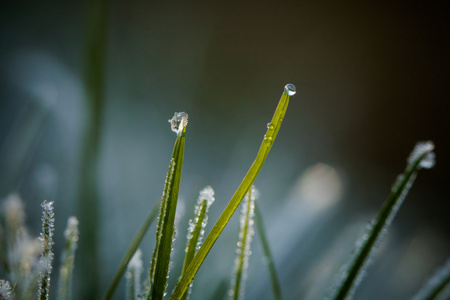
<point x="130" y="252"/>
<point x="267" y="253"/>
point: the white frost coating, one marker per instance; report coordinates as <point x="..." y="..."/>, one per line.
<point x="420" y="149"/>
<point x="5" y="289"/>
<point x="438" y="278"/>
<point x="133" y="275"/>
<point x="243" y="251"/>
<point x="179" y="122"/>
<point x="46" y="238"/>
<point x="206" y="194"/>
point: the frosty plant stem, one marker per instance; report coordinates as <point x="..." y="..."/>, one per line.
<point x="272" y="130"/>
<point x="421" y="157"/>
<point x="159" y="269"/>
<point x="197" y="226"/>
<point x="438" y="285"/>
<point x="246" y="232"/>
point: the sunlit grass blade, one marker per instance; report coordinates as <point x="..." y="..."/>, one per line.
<point x="159" y="269"/>
<point x="66" y="269"/>
<point x="267" y="253"/>
<point x="131" y="250"/>
<point x="438" y="287"/>
<point x="197" y="226"/>
<point x="421" y="157"/>
<point x="134" y="271"/>
<point x="246" y="232"/>
<point x="272" y="130"/>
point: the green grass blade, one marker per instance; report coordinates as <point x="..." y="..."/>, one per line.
<point x="267" y="253"/>
<point x="272" y="131"/>
<point x="246" y="232"/>
<point x="197" y="227"/>
<point x="159" y="269"/>
<point x="421" y="157"/>
<point x="66" y="270"/>
<point x="438" y="287"/>
<point x="131" y="250"/>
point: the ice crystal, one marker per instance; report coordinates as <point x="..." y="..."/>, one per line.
<point x="179" y="122"/>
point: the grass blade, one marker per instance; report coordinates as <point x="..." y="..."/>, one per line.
<point x="46" y="238"/>
<point x="159" y="269"/>
<point x="246" y="232"/>
<point x="131" y="250"/>
<point x="134" y="271"/>
<point x="438" y="287"/>
<point x="269" y="138"/>
<point x="197" y="227"/>
<point x="421" y="157"/>
<point x="66" y="270"/>
<point x="267" y="253"/>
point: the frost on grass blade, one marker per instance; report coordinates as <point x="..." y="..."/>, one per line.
<point x="179" y="122"/>
<point x="5" y="290"/>
<point x="438" y="287"/>
<point x="255" y="168"/>
<point x="159" y="270"/>
<point x="71" y="235"/>
<point x="196" y="228"/>
<point x="243" y="252"/>
<point x="47" y="251"/>
<point x="133" y="276"/>
<point x="352" y="274"/>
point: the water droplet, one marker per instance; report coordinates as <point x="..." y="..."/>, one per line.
<point x="270" y="126"/>
<point x="268" y="138"/>
<point x="290" y="89"/>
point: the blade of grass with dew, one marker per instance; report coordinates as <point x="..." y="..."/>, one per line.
<point x="272" y="130"/>
<point x="46" y="238"/>
<point x="159" y="269"/>
<point x="421" y="157"/>
<point x="133" y="275"/>
<point x="246" y="232"/>
<point x="196" y="228"/>
<point x="438" y="286"/>
<point x="267" y="253"/>
<point x="131" y="250"/>
<point x="71" y="235"/>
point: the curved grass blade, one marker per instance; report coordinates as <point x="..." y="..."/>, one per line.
<point x="159" y="269"/>
<point x="421" y="157"/>
<point x="131" y="250"/>
<point x="246" y="232"/>
<point x="197" y="227"/>
<point x="272" y="131"/>
<point x="267" y="253"/>
<point x="66" y="269"/>
<point x="438" y="287"/>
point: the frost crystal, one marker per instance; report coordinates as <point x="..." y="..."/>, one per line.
<point x="423" y="148"/>
<point x="179" y="122"/>
<point x="46" y="238"/>
<point x="243" y="252"/>
<point x="206" y="194"/>
<point x="5" y="289"/>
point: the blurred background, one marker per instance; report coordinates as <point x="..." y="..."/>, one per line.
<point x="86" y="90"/>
